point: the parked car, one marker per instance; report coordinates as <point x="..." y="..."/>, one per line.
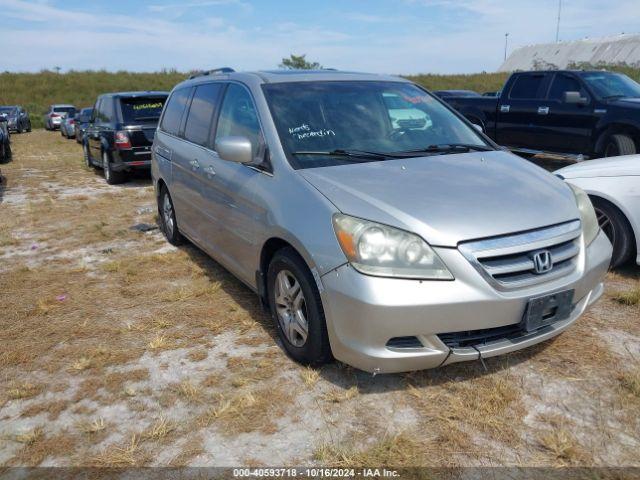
<point x="82" y="121"/>
<point x="17" y="118"/>
<point x="68" y="125"/>
<point x="456" y="93"/>
<point x="54" y="115"/>
<point x="613" y="185"/>
<point x="5" y="141"/>
<point x="120" y="132"/>
<point x="577" y="114"/>
<point x="390" y="247"/>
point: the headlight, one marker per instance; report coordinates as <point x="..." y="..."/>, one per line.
<point x="383" y="251"/>
<point x="588" y="217"/>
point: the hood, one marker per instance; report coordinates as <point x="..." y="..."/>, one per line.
<point x="628" y="165"/>
<point x="447" y="199"/>
<point x="626" y="102"/>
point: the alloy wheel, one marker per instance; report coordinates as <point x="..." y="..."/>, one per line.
<point x="606" y="225"/>
<point x="291" y="308"/>
<point x="167" y="215"/>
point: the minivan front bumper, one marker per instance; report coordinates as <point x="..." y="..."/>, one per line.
<point x="364" y="313"/>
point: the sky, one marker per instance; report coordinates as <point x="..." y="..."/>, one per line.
<point x="381" y="36"/>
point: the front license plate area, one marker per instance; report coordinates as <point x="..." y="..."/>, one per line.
<point x="543" y="311"/>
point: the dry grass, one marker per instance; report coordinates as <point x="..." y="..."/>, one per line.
<point x="627" y="297"/>
<point x="127" y="455"/>
<point x="338" y="396"/>
<point x="630" y="382"/>
<point x="247" y="412"/>
<point x="23" y="390"/>
<point x="107" y="334"/>
<point x="29" y="437"/>
<point x="401" y="450"/>
<point x="91" y="427"/>
<point x="310" y="376"/>
<point x="159" y="430"/>
<point x="562" y="446"/>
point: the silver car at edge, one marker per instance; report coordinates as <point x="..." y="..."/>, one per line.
<point x="391" y="244"/>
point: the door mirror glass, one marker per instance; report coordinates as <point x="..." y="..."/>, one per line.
<point x="235" y="149"/>
<point x="575" y="98"/>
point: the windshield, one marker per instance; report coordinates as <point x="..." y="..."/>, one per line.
<point x="380" y="117"/>
<point x="142" y="109"/>
<point x="611" y="85"/>
<point x="64" y="109"/>
<point x="7" y="111"/>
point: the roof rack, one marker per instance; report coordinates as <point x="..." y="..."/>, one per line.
<point x="215" y="71"/>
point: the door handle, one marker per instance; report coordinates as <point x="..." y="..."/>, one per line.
<point x="195" y="165"/>
<point x="505" y="108"/>
<point x="209" y="171"/>
<point x="543" y="110"/>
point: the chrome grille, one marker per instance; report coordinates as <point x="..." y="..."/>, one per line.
<point x="507" y="262"/>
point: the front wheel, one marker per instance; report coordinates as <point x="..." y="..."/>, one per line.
<point x="617" y="228"/>
<point x="167" y="217"/>
<point x="296" y="308"/>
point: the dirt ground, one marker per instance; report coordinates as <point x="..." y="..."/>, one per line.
<point x="117" y="349"/>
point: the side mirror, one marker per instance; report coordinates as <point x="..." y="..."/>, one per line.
<point x="575" y="98"/>
<point x="478" y="127"/>
<point x="235" y="149"/>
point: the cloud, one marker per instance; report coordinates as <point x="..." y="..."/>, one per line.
<point x="441" y="36"/>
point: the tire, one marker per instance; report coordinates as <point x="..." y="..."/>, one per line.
<point x="87" y="158"/>
<point x="619" y="144"/>
<point x="617" y="228"/>
<point x="6" y="152"/>
<point x="288" y="308"/>
<point x="167" y="218"/>
<point x="29" y="127"/>
<point x="112" y="178"/>
<point x="19" y="128"/>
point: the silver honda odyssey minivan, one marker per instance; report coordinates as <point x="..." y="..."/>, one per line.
<point x="377" y="225"/>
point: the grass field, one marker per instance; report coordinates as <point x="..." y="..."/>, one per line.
<point x="119" y="350"/>
<point x="36" y="91"/>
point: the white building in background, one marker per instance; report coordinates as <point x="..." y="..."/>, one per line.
<point x="623" y="48"/>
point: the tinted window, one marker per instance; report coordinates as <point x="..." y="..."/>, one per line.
<point x="611" y="85"/>
<point x="64" y="109"/>
<point x="173" y="113"/>
<point x="107" y="110"/>
<point x="528" y="87"/>
<point x="238" y="116"/>
<point x="565" y="83"/>
<point x="142" y="109"/>
<point x="203" y="106"/>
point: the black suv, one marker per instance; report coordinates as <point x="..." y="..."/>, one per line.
<point x="120" y="132"/>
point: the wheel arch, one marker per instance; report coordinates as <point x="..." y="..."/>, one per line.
<point x="616" y="128"/>
<point x="635" y="229"/>
<point x="269" y="248"/>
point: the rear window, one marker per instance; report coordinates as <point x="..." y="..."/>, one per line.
<point x="141" y="109"/>
<point x="528" y="87"/>
<point x="64" y="109"/>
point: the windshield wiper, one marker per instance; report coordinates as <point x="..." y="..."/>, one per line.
<point x="450" y="148"/>
<point x="357" y="154"/>
<point x="611" y="97"/>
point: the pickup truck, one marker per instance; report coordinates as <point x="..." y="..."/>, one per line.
<point x="573" y="114"/>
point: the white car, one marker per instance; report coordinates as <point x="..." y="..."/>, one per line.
<point x="613" y="184"/>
